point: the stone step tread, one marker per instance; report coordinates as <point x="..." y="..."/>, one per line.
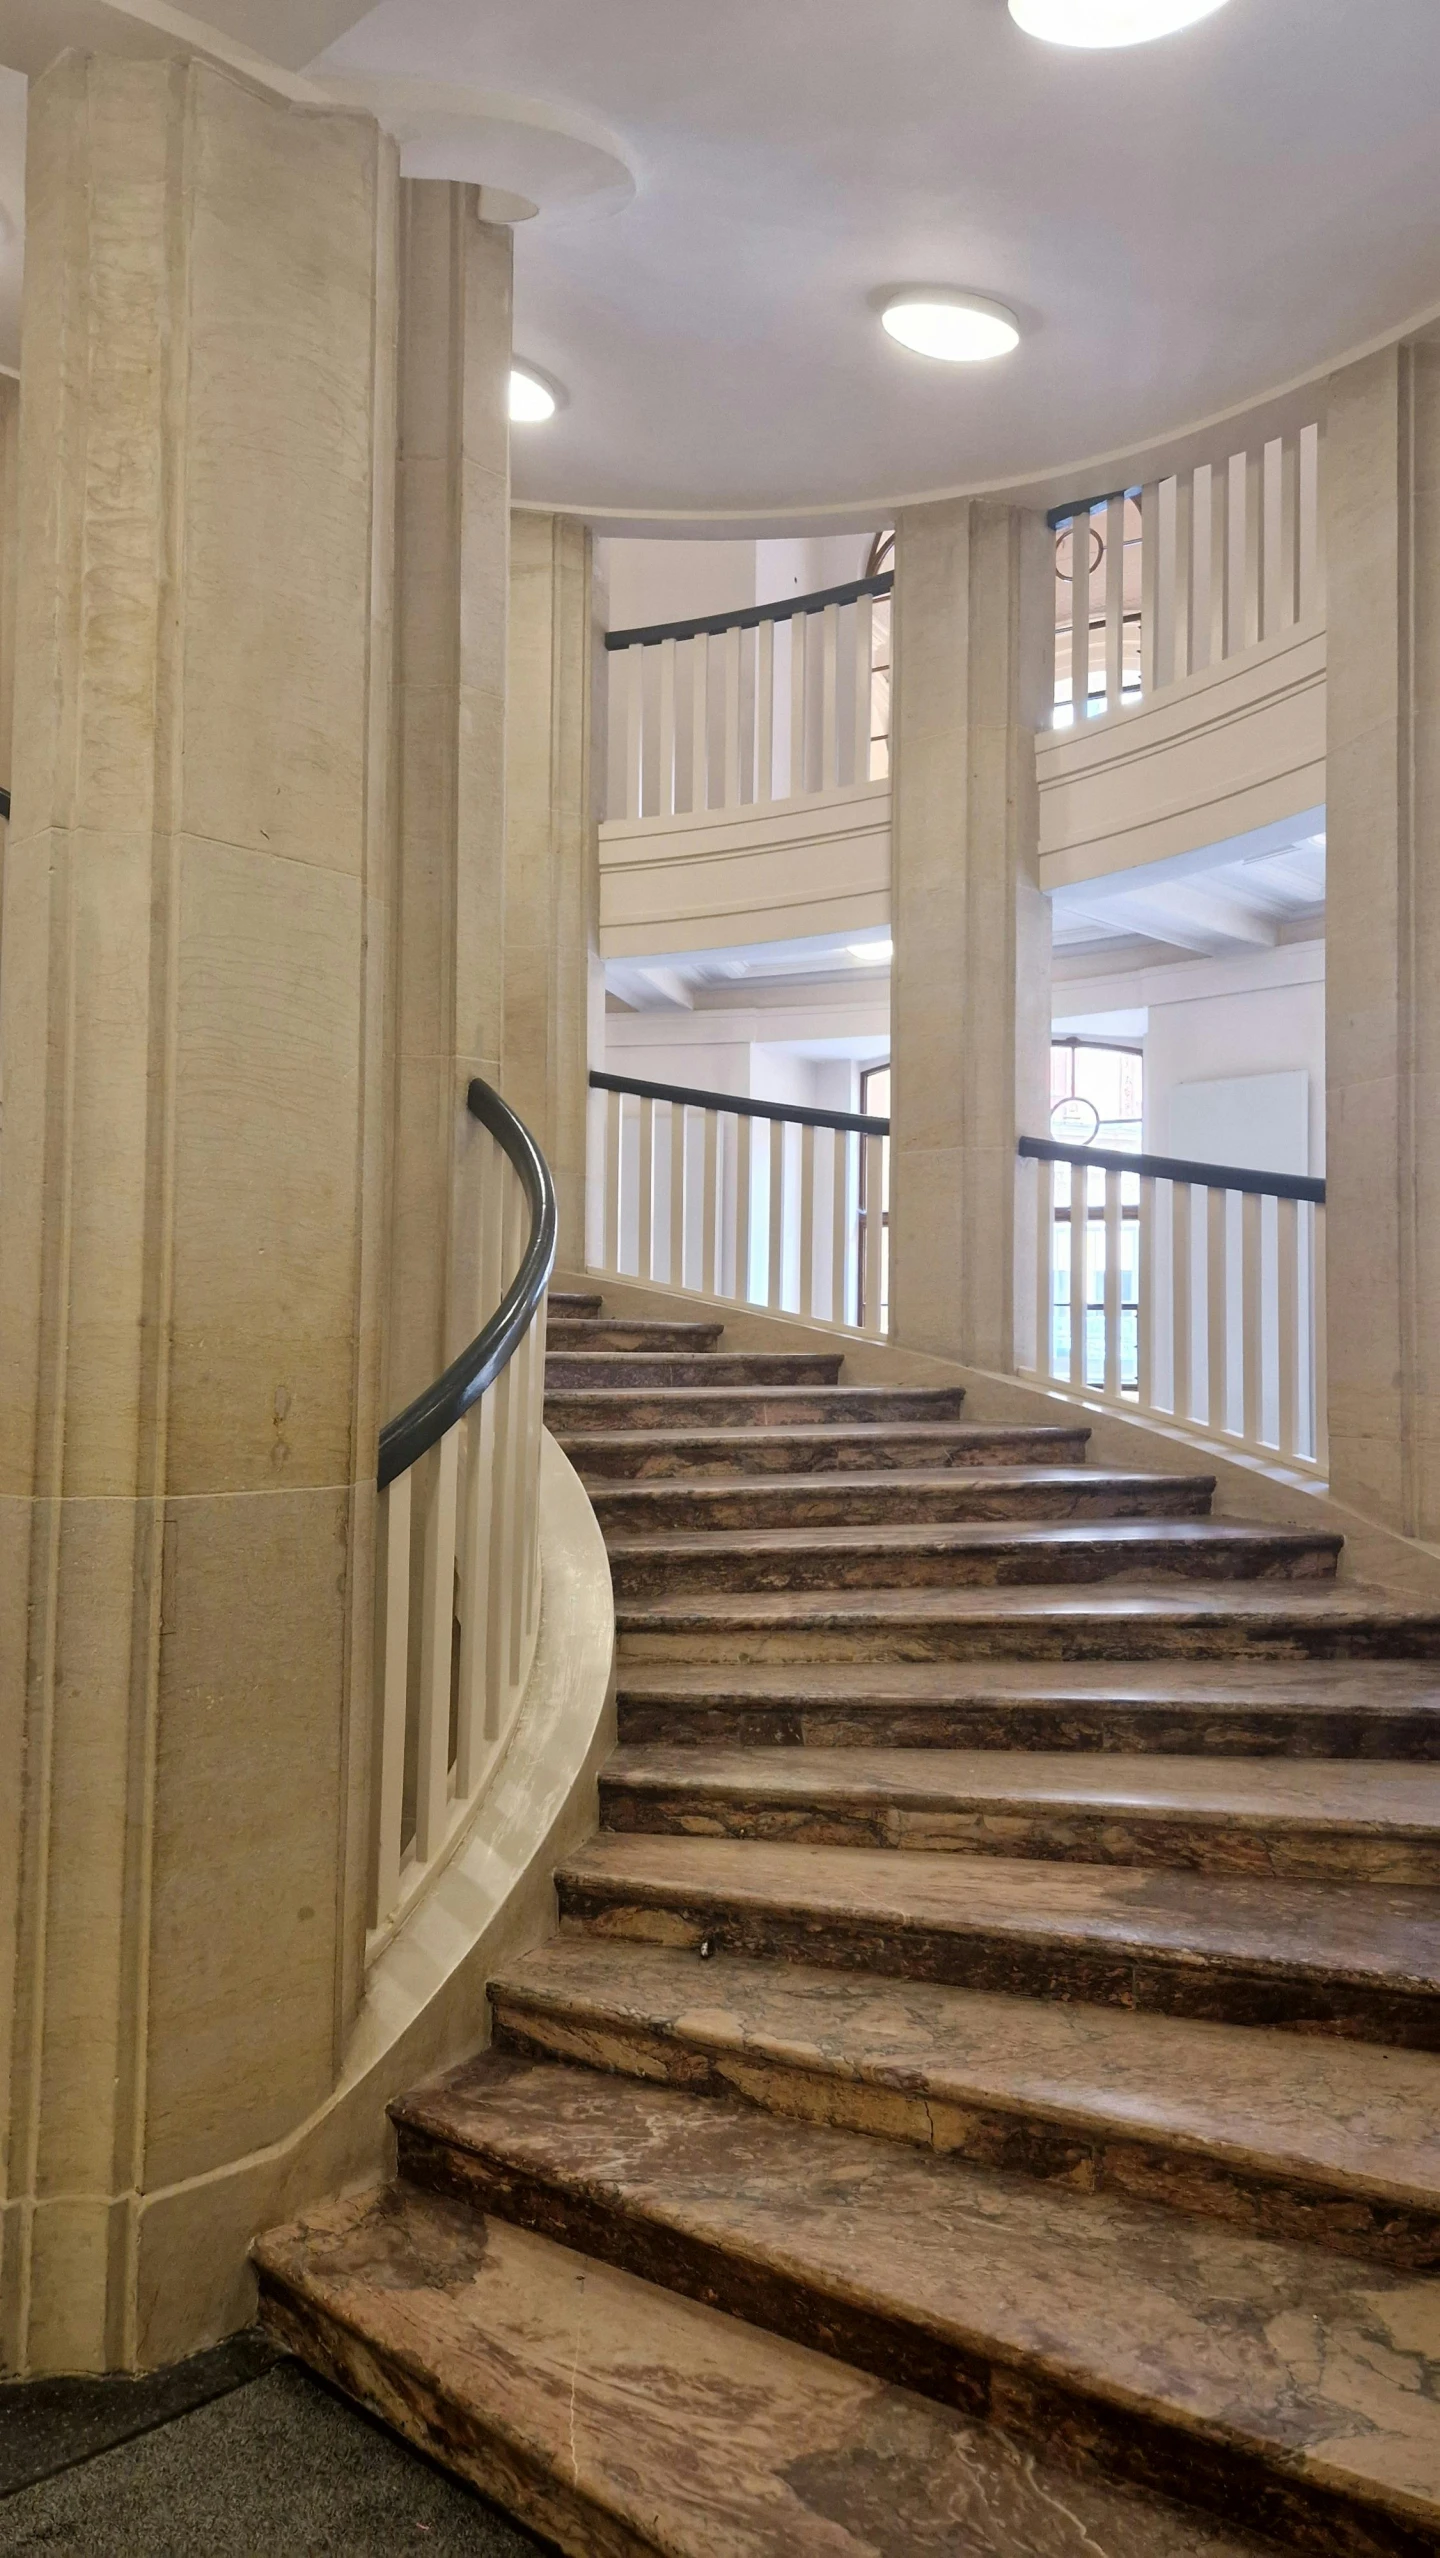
<point x="980" y="1536"/>
<point x="955" y="1492"/>
<point x="1319" y="2372"/>
<point x="1269" y="1606"/>
<point x="1376" y="1798"/>
<point x="712" y="1367"/>
<point x="1341" y="2119"/>
<point x="612" y="1332"/>
<point x="1338" y="1710"/>
<point x="600" y="2409"/>
<point x="573" y="1301"/>
<point x="1366" y="1934"/>
<point x="928" y="1446"/>
<point x="698" y="1404"/>
<point x="1278" y="1686"/>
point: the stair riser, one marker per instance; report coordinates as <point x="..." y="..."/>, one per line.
<point x="947" y="1501"/>
<point x="565" y="1304"/>
<point x="406" y="2397"/>
<point x="668" y="1574"/>
<point x="1248" y="1733"/>
<point x="1075" y="2155"/>
<point x="1220" y="2478"/>
<point x="589" y="1407"/>
<point x="1064" y="1836"/>
<point x="569" y="1368"/>
<point x="1219" y="1990"/>
<point x="1115" y="1640"/>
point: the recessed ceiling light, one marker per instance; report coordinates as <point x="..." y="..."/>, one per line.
<point x="958" y="328"/>
<point x="1108" y="22"/>
<point x="531" y="400"/>
<point x="875" y="954"/>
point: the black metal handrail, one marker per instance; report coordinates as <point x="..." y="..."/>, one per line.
<point x="425" y="1421"/>
<point x="750" y="616"/>
<point x="849" y="1122"/>
<point x="5" y="805"/>
<point x="1260" y="1185"/>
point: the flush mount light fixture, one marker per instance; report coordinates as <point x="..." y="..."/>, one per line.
<point x="531" y="400"/>
<point x="874" y="954"/>
<point x="956" y="328"/>
<point x="1108" y="22"/>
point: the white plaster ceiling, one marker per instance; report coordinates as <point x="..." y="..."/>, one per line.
<point x="1183" y="227"/>
<point x="1209" y="904"/>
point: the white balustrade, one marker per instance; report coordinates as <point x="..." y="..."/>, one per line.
<point x="1160" y="583"/>
<point x="458" y="1552"/>
<point x="740" y="1200"/>
<point x="781" y="702"/>
<point x="1193" y="1294"/>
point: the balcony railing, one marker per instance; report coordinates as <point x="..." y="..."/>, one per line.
<point x="1185" y="574"/>
<point x="778" y="702"/>
<point x="754" y="1202"/>
<point x="1195" y="1295"/>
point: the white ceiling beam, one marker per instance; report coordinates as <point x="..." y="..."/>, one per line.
<point x="649" y="990"/>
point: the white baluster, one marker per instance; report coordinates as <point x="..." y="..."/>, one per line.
<point x="829" y="697"/>
<point x="1292" y="1390"/>
<point x="1080" y="614"/>
<point x="1079" y="1269"/>
<point x="437" y="1633"/>
<point x="872" y="1259"/>
<point x="1149" y="586"/>
<point x="646" y="1192"/>
<point x="634" y="663"/>
<point x="839" y="1224"/>
<point x="474" y="1726"/>
<point x="1286" y="612"/>
<point x="1113" y="1237"/>
<point x="1252" y="1320"/>
<point x="1182" y="602"/>
<point x="1219" y="563"/>
<point x="1147" y="1309"/>
<point x="807" y="1221"/>
<point x="1182" y="1283"/>
<point x="1320" y="1340"/>
<point x="765" y="712"/>
<point x="1312" y="551"/>
<point x="1114" y="603"/>
<point x="730" y="660"/>
<point x="1254" y="627"/>
<point x="1217" y="1332"/>
<point x="614" y="1157"/>
<point x="776" y="1234"/>
<point x="676" y="1271"/>
<point x="668" y="801"/>
<point x="862" y="631"/>
<point x="799" y="653"/>
<point x="1045" y="1270"/>
<point x="395" y="1518"/>
<point x="744" y="1162"/>
<point x="710" y="1124"/>
<point x="700" y="722"/>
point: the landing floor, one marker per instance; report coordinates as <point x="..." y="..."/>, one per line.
<point x="275" y="2468"/>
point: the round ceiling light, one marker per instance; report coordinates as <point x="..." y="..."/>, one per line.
<point x="531" y="400"/>
<point x="956" y="328"/>
<point x="1108" y="22"/>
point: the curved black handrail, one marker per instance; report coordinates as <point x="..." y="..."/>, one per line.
<point x="750" y="616"/>
<point x="426" y="1420"/>
<point x="795" y="1112"/>
<point x="1260" y="1185"/>
<point x="5" y="805"/>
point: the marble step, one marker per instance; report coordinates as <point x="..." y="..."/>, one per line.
<point x="614" y="2417"/>
<point x="613" y="1333"/>
<point x="984" y="1554"/>
<point x="633" y="1369"/>
<point x="572" y="1301"/>
<point x="864" y="1448"/>
<point x="1135" y="1621"/>
<point x="618" y="1407"/>
<point x="1359" y="1822"/>
<point x="1283" y="2135"/>
<point x="1278" y="2384"/>
<point x="1360" y="1960"/>
<point x="1261" y="1709"/>
<point x="945" y="1494"/>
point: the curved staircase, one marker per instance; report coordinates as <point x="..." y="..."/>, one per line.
<point x="983" y="2100"/>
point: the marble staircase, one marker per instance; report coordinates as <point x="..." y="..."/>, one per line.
<point x="983" y="2098"/>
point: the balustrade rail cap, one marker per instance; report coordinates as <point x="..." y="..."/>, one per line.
<point x="1263" y="1185"/>
<point x="794" y="1114"/>
<point x="750" y="616"/>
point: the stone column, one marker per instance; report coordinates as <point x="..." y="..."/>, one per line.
<point x="970" y="1029"/>
<point x="193" y="942"/>
<point x="9" y="562"/>
<point x="554" y="984"/>
<point x="449" y="916"/>
<point x="1382" y="506"/>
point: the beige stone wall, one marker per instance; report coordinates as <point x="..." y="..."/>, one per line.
<point x="449" y="889"/>
<point x="1382" y="502"/>
<point x="554" y="987"/>
<point x="970" y="991"/>
<point x="195" y="905"/>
